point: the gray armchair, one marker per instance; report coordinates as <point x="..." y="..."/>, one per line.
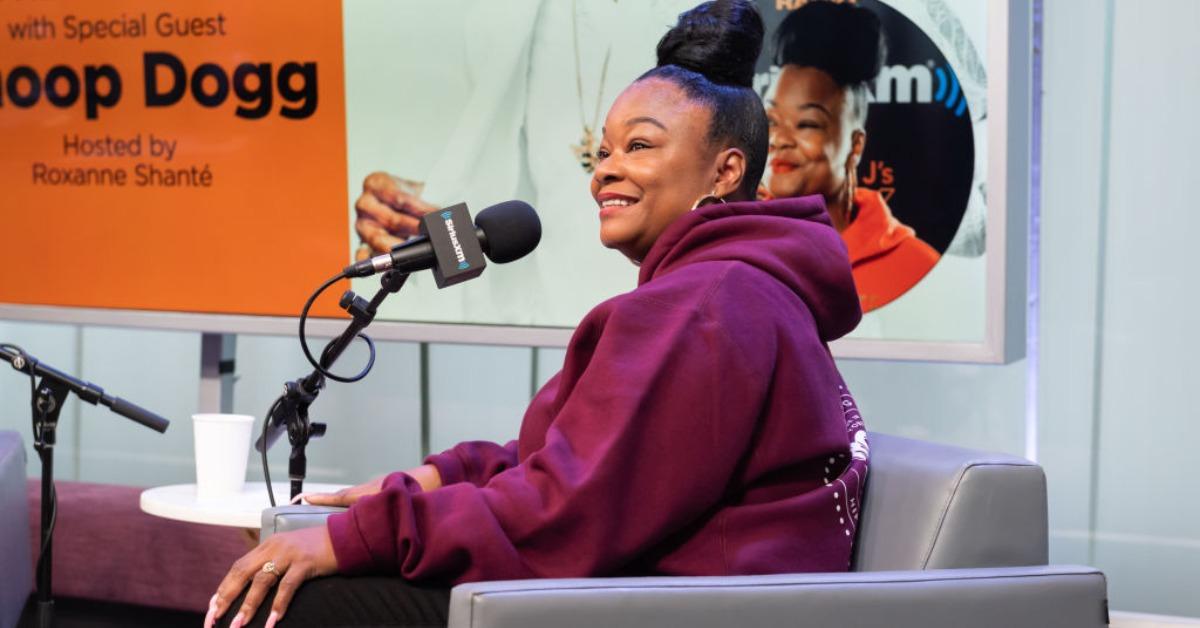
<point x="948" y="537"/>
<point x="17" y="582"/>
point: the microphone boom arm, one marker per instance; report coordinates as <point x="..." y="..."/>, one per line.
<point x="290" y="411"/>
<point x="49" y="395"/>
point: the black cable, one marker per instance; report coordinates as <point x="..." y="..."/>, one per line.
<point x="267" y="472"/>
<point x="320" y="369"/>
<point x="304" y="342"/>
<point x="49" y="528"/>
<point x="316" y="365"/>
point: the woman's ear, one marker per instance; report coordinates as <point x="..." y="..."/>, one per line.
<point x="731" y="169"/>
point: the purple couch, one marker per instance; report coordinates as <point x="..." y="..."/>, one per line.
<point x="106" y="548"/>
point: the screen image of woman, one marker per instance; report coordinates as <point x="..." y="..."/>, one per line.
<point x="831" y="55"/>
<point x="699" y="425"/>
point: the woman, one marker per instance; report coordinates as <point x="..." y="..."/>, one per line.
<point x="828" y="53"/>
<point x="699" y="424"/>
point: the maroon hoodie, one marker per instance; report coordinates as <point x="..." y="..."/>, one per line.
<point x="699" y="426"/>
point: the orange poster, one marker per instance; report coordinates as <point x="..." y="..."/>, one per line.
<point x="172" y="156"/>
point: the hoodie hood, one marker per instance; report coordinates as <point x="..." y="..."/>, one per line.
<point x="790" y="239"/>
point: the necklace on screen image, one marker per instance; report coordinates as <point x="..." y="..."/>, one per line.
<point x="585" y="150"/>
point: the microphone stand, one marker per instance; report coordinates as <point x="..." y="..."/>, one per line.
<point x="291" y="410"/>
<point x="47" y="403"/>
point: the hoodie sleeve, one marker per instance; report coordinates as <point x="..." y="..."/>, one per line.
<point x="645" y="443"/>
<point x="474" y="462"/>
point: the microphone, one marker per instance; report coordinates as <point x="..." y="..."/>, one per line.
<point x="135" y="413"/>
<point x="454" y="247"/>
<point x="86" y="391"/>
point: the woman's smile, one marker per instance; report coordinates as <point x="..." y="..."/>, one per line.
<point x="612" y="203"/>
<point x="780" y="165"/>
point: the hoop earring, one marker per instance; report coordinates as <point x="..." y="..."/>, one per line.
<point x="707" y="199"/>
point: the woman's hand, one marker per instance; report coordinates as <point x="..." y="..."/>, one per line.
<point x="296" y="556"/>
<point x="426" y="475"/>
<point x="286" y="559"/>
<point x="345" y="497"/>
<point x="389" y="212"/>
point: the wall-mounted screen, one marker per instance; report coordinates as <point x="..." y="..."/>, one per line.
<point x="207" y="166"/>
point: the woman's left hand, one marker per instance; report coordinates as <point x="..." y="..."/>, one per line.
<point x="296" y="556"/>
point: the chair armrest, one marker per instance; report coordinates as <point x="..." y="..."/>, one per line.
<point x="1060" y="596"/>
<point x="286" y="518"/>
<point x="15" y="551"/>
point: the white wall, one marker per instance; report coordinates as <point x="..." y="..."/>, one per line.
<point x="1146" y="514"/>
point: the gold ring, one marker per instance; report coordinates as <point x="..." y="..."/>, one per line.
<point x="270" y="568"/>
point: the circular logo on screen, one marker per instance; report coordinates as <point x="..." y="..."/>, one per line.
<point x="920" y="151"/>
<point x="915" y="173"/>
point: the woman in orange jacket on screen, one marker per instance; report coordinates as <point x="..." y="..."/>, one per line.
<point x="828" y="53"/>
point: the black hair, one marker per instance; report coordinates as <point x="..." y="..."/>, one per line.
<point x="711" y="54"/>
<point x="843" y="40"/>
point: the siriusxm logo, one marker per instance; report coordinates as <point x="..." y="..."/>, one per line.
<point x="914" y="83"/>
<point x="954" y="96"/>
<point x="898" y="84"/>
<point x="458" y="251"/>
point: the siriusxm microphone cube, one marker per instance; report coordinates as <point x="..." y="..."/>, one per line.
<point x="455" y="245"/>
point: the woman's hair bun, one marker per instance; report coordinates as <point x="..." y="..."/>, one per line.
<point x="720" y="39"/>
<point x="843" y="40"/>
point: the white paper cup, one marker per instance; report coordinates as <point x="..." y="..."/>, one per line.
<point x="222" y="448"/>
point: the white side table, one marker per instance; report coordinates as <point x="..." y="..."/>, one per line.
<point x="243" y="510"/>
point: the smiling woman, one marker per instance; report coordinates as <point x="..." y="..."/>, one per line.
<point x="699" y="425"/>
<point x="686" y="133"/>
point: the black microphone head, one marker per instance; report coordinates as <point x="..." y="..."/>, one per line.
<point x="511" y="230"/>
